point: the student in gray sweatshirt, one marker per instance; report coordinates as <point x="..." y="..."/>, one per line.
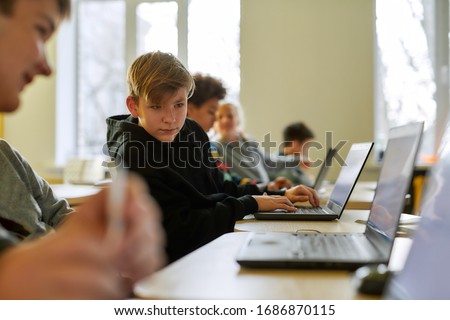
<point x="78" y="260"/>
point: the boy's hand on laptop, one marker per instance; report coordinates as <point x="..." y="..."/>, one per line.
<point x="271" y="203"/>
<point x="303" y="193"/>
<point x="279" y="183"/>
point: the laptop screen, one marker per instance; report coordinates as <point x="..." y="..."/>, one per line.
<point x="394" y="179"/>
<point x="350" y="172"/>
<point x="324" y="168"/>
<point x="425" y="272"/>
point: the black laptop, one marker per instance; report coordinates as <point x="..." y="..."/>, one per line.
<point x="346" y="181"/>
<point x="326" y="165"/>
<point x="346" y="251"/>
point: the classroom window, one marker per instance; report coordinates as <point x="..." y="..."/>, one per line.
<point x="412" y="38"/>
<point x="103" y="37"/>
<point x="101" y="69"/>
<point x="157" y="27"/>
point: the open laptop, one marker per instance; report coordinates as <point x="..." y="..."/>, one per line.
<point x="341" y="250"/>
<point x="346" y="181"/>
<point x="425" y="272"/>
<point x="326" y="165"/>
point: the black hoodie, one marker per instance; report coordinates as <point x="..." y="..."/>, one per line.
<point x="197" y="204"/>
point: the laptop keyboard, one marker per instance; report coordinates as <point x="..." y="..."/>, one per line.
<point x="336" y="246"/>
<point x="311" y="210"/>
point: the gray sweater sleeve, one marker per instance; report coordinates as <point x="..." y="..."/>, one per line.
<point x="25" y="198"/>
<point x="6" y="239"/>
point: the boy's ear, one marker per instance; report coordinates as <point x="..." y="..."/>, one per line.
<point x="132" y="107"/>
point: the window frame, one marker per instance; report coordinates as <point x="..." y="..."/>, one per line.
<point x="130" y="33"/>
<point x="66" y="138"/>
<point x="438" y="24"/>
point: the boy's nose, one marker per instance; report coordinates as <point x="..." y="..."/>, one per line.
<point x="169" y="116"/>
<point x="43" y="67"/>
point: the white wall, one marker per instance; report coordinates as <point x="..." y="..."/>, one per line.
<point x="309" y="60"/>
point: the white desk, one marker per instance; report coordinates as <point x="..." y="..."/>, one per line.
<point x="351" y="221"/>
<point x="345" y="224"/>
<point x="73" y="193"/>
<point x="211" y="272"/>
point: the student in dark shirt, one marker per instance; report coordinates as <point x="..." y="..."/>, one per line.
<point x="172" y="153"/>
<point x="296" y="137"/>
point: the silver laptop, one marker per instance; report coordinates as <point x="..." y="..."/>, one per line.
<point x="346" y="181"/>
<point x="425" y="272"/>
<point x="346" y="251"/>
<point x="326" y="165"/>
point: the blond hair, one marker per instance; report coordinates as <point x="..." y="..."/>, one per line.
<point x="154" y="75"/>
<point x="238" y="110"/>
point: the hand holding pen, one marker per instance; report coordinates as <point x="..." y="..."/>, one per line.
<point x="134" y="236"/>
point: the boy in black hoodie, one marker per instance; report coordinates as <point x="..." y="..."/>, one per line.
<point x="172" y="153"/>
